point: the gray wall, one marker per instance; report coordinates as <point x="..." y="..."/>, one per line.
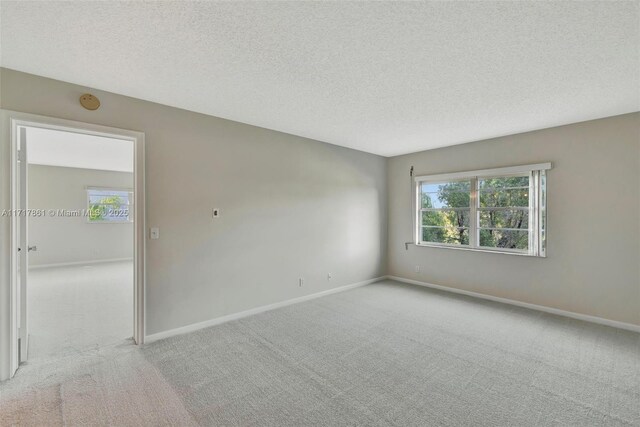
<point x="63" y="240"/>
<point x="291" y="207"/>
<point x="593" y="251"/>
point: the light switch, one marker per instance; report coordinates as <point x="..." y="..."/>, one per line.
<point x="154" y="233"/>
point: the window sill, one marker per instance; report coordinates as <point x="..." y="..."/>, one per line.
<point x="491" y="251"/>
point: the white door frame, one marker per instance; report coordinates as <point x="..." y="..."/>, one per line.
<point x="23" y="243"/>
<point x="11" y="121"/>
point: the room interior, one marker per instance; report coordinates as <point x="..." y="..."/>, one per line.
<point x="302" y="265"/>
<point x="80" y="292"/>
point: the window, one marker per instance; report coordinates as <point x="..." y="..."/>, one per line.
<point x="501" y="210"/>
<point x="445" y="212"/>
<point x="107" y="205"/>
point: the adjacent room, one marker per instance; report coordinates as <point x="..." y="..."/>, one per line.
<point x="320" y="213"/>
<point x="80" y="260"/>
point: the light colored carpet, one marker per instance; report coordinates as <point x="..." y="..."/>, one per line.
<point x="384" y="354"/>
<point x="75" y="308"/>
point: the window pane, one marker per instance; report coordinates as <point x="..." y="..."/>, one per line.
<point x="446" y="218"/>
<point x="508" y="218"/>
<point x="123" y="200"/>
<point x="95" y="195"/>
<point x="120" y="213"/>
<point x="504" y="182"/>
<point x="449" y="235"/>
<point x="112" y="213"/>
<point x="447" y="194"/>
<point x="507" y="239"/>
<point x="504" y="198"/>
<point x="504" y="192"/>
<point x="109" y="205"/>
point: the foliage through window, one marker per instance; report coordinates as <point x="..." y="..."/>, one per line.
<point x="484" y="210"/>
<point x="109" y="205"/>
<point x="446" y="211"/>
<point x="503" y="212"/>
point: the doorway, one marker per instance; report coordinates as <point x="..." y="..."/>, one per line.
<point x="77" y="240"/>
<point x="80" y="219"/>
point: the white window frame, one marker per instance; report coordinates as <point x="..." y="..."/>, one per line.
<point x="130" y="206"/>
<point x="537" y="207"/>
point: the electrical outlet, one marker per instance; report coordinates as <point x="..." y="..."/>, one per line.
<point x="215" y="212"/>
<point x="300" y="282"/>
<point x="329" y="277"/>
<point x="417" y="269"/>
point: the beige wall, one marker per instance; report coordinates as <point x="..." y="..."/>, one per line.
<point x="593" y="251"/>
<point x="291" y="207"/>
<point x="62" y="240"/>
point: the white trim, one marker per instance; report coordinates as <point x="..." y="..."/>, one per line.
<point x="511" y="170"/>
<point x="139" y="240"/>
<point x="74" y="263"/>
<point x="229" y="317"/>
<point x="14" y="119"/>
<point x="502" y="251"/>
<point x="545" y="309"/>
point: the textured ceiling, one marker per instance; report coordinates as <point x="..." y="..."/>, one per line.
<point x="383" y="77"/>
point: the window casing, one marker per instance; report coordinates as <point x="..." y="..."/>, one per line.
<point x="109" y="205"/>
<point x="497" y="210"/>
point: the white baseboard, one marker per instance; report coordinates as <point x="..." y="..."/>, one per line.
<point x="219" y="320"/>
<point x="571" y="314"/>
<point x="88" y="262"/>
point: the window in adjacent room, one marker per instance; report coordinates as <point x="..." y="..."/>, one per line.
<point x="501" y="210"/>
<point x="107" y="205"/>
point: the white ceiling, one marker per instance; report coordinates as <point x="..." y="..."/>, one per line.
<point x="383" y="77"/>
<point x="75" y="150"/>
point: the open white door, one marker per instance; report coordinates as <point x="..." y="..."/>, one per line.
<point x="23" y="258"/>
